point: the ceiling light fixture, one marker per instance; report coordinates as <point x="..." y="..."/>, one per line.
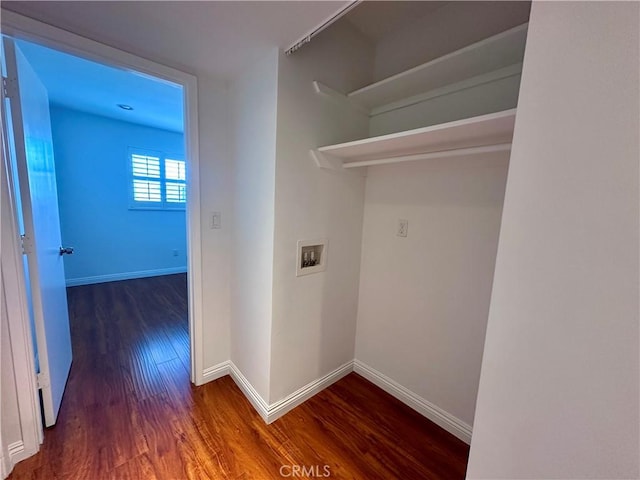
<point x="125" y="107"/>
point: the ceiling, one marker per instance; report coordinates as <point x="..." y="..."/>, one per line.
<point x="217" y="38"/>
<point x="206" y="38"/>
<point x="95" y="88"/>
<point x="377" y="19"/>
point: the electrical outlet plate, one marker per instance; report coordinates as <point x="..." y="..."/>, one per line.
<point x="403" y="227"/>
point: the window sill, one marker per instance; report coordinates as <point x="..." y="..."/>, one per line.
<point x="157" y="209"/>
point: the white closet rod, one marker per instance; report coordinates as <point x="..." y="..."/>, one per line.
<point x="307" y="38"/>
<point x="457" y="152"/>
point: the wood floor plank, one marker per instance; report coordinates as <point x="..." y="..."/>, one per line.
<point x="157" y="426"/>
<point x="130" y="412"/>
<point x="137" y="468"/>
<point x="178" y="336"/>
<point x="174" y="378"/>
<point x="71" y="451"/>
<point x="141" y="376"/>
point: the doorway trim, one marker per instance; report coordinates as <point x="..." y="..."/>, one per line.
<point x="18" y="327"/>
<point x="24" y="28"/>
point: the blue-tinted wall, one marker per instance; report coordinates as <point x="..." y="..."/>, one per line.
<point x="111" y="241"/>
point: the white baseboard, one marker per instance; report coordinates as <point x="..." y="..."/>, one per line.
<point x="252" y="395"/>
<point x="271" y="412"/>
<point x="17" y="453"/>
<point x="434" y="413"/>
<point x="114" y="277"/>
<point x="213" y="373"/>
<point x="279" y="408"/>
<point x="228" y="368"/>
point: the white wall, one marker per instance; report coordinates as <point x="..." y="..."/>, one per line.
<point x="424" y="299"/>
<point x="558" y="393"/>
<point x="489" y="97"/>
<point x="111" y="241"/>
<point x="216" y="191"/>
<point x="216" y="195"/>
<point x="314" y="315"/>
<point x="431" y="36"/>
<point x="253" y="108"/>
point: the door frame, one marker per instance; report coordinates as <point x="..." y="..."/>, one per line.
<point x="13" y="287"/>
<point x="24" y="28"/>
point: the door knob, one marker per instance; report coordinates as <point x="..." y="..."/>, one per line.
<point x="66" y="250"/>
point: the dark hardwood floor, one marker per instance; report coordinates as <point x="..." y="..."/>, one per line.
<point x="129" y="411"/>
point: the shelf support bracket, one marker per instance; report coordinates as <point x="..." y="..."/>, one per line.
<point x="328" y="162"/>
<point x="322" y="89"/>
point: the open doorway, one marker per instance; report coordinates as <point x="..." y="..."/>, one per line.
<point x="121" y="185"/>
<point x="118" y="143"/>
<point x="170" y="160"/>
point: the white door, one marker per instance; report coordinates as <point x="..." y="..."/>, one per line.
<point x="29" y="111"/>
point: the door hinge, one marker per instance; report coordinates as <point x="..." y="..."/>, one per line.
<point x="43" y="380"/>
<point x="25" y="244"/>
<point x="8" y="87"/>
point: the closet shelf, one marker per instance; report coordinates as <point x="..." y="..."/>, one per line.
<point x="499" y="51"/>
<point x="482" y="134"/>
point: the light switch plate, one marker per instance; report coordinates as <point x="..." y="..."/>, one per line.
<point x="216" y="220"/>
<point x="403" y="227"/>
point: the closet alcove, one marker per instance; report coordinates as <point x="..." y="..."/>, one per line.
<point x="441" y="109"/>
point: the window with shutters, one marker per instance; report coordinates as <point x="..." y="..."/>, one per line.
<point x="158" y="180"/>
